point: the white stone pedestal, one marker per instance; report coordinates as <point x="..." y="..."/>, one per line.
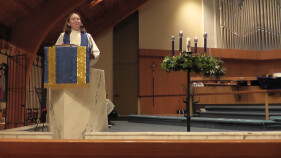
<point x="72" y="112"/>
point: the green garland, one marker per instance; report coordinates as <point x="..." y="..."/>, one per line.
<point x="199" y="63"/>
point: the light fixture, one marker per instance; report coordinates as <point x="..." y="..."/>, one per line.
<point x="94" y="3"/>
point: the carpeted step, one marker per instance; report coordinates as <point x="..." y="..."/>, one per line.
<point x="237" y="114"/>
<point x="223" y="123"/>
<point x="272" y="108"/>
<point x="276" y="118"/>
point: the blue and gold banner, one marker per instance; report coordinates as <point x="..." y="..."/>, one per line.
<point x="66" y="67"/>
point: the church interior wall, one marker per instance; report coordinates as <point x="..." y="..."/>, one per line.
<point x="159" y="20"/>
<point x="105" y="44"/>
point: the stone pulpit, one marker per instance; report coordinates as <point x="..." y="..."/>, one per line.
<point x="76" y="93"/>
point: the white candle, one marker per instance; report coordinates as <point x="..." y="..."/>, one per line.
<point x="205" y="35"/>
<point x="188" y="45"/>
<point x="195" y="39"/>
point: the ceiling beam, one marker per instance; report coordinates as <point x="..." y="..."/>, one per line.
<point x="94" y="3"/>
<point x="114" y="16"/>
<point x="29" y="33"/>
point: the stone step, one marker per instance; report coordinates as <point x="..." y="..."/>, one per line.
<point x="184" y="135"/>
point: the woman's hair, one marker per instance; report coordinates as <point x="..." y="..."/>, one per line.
<point x="67" y="29"/>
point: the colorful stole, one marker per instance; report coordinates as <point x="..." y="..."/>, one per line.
<point x="84" y="39"/>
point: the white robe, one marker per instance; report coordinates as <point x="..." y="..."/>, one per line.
<point x="75" y="38"/>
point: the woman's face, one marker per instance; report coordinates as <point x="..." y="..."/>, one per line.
<point x="75" y="22"/>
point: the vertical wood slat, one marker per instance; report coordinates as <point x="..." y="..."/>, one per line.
<point x="35" y="81"/>
<point x="16" y="91"/>
<point x="266" y="107"/>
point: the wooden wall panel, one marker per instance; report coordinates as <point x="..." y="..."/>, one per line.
<point x="145" y="79"/>
<point x="167" y="83"/>
<point x="245" y="68"/>
<point x="170" y="104"/>
<point x="164" y="83"/>
<point x="268" y="67"/>
<point x="239" y="63"/>
<point x="162" y="105"/>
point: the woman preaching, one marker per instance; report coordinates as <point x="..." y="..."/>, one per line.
<point x="74" y="33"/>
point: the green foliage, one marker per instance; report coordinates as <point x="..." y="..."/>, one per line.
<point x="199" y="63"/>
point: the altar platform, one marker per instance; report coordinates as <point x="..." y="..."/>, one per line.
<point x="231" y="117"/>
<point x="124" y="130"/>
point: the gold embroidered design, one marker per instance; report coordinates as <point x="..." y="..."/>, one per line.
<point x="81" y="70"/>
<point x="52" y="64"/>
<point x="81" y="65"/>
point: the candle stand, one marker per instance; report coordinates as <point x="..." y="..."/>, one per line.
<point x="197" y="63"/>
<point x="187" y="103"/>
<point x="188" y="100"/>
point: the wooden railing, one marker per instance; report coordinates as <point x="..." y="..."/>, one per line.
<point x="139" y="148"/>
<point x="266" y="92"/>
<point x="223" y="81"/>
